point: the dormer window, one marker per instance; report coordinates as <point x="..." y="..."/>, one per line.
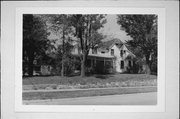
<point x="112" y="52"/>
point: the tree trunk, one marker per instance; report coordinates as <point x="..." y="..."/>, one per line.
<point x="30" y="66"/>
<point x="63" y="51"/>
<point x="62" y="68"/>
<point x="147" y="70"/>
<point x="83" y="67"/>
<point x="147" y="65"/>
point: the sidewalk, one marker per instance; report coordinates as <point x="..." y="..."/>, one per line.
<point x="73" y="93"/>
<point x="125" y="99"/>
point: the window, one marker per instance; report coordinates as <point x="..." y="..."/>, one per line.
<point x="122" y="64"/>
<point x="121" y="53"/>
<point x="112" y="52"/>
<point x="94" y="51"/>
<point x="130" y="63"/>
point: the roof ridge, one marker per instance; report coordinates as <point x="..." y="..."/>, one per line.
<point x="109" y="43"/>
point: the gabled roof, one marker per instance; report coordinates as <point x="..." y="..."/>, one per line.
<point x="130" y="50"/>
<point x="110" y="43"/>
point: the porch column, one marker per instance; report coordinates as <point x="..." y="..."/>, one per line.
<point x="104" y="61"/>
<point x="91" y="62"/>
<point x="104" y="66"/>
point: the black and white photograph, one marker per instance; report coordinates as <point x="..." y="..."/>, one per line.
<point x="89" y="59"/>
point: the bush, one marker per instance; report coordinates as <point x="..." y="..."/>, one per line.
<point x="154" y="68"/>
<point x="133" y="69"/>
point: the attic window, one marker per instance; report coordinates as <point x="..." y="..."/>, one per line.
<point x="112" y="52"/>
<point x="94" y="51"/>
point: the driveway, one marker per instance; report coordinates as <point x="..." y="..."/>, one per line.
<point x="125" y="99"/>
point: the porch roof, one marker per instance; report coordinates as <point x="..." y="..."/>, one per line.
<point x="101" y="56"/>
<point x="96" y="55"/>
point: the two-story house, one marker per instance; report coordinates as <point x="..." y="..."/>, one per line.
<point x="109" y="56"/>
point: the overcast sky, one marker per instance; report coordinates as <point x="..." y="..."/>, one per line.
<point x="112" y="29"/>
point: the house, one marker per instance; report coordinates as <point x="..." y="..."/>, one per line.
<point x="109" y="56"/>
<point x="41" y="66"/>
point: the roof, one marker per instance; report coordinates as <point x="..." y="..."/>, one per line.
<point x="100" y="56"/>
<point x="130" y="50"/>
<point x="108" y="44"/>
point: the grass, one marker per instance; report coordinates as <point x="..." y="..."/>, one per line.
<point x="95" y="81"/>
<point x="85" y="93"/>
<point x="103" y="82"/>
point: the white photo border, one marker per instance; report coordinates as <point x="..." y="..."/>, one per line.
<point x="19" y="107"/>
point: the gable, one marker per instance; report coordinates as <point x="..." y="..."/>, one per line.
<point x="124" y="47"/>
<point x="109" y="44"/>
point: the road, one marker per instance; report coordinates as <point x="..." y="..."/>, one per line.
<point x="125" y="99"/>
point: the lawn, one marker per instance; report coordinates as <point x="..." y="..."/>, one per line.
<point x="94" y="81"/>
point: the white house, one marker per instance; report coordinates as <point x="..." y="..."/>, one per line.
<point x="108" y="57"/>
<point x="112" y="55"/>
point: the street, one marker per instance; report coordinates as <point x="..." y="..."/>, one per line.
<point x="125" y="99"/>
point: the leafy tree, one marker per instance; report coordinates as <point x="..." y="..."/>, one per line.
<point x="68" y="58"/>
<point x="60" y="25"/>
<point x="143" y="30"/>
<point x="35" y="40"/>
<point x="86" y="30"/>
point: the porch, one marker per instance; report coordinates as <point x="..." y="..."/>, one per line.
<point x="100" y="65"/>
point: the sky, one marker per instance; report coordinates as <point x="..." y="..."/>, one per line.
<point x="112" y="29"/>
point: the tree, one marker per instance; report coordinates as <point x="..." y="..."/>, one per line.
<point x="60" y="25"/>
<point x="68" y="58"/>
<point x="35" y="40"/>
<point x="86" y="30"/>
<point x="143" y="30"/>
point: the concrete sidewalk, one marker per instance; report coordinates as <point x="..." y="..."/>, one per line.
<point x="60" y="94"/>
<point x="125" y="99"/>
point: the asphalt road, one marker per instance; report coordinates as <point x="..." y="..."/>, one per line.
<point x="125" y="99"/>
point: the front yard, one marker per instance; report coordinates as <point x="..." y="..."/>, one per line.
<point x="56" y="87"/>
<point x="95" y="81"/>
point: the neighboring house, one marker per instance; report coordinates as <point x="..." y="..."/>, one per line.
<point x="108" y="57"/>
<point x="43" y="69"/>
<point x="40" y="66"/>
